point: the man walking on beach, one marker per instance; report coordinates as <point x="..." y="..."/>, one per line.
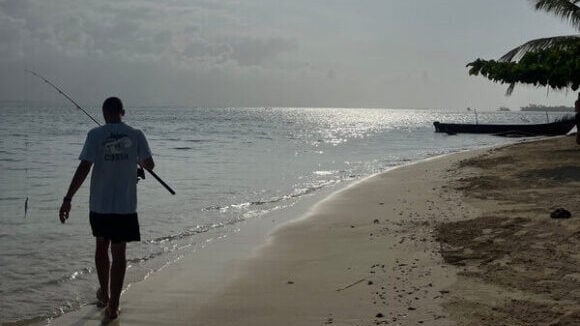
<point x="114" y="150"/>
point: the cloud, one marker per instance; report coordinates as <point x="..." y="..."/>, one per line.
<point x="136" y="30"/>
<point x="331" y="74"/>
<point x="254" y="51"/>
<point x="11" y="34"/>
<point x="236" y="52"/>
<point x="206" y="51"/>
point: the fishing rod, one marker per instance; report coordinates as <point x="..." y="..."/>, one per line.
<point x="165" y="185"/>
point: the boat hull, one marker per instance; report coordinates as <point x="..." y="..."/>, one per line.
<point x="546" y="129"/>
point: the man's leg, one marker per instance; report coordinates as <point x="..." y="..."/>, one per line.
<point x="117" y="274"/>
<point x="103" y="267"/>
<point x="577" y="128"/>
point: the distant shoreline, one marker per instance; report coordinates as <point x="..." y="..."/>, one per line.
<point x="545" y="108"/>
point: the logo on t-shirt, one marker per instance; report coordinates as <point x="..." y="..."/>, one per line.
<point x="117" y="147"/>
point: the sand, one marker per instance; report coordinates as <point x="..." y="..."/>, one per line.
<point x="517" y="266"/>
<point x="465" y="239"/>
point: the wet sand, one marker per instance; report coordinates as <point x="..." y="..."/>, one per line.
<point x="464" y="239"/>
<point x="364" y="256"/>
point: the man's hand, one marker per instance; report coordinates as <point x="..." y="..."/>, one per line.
<point x="80" y="175"/>
<point x="64" y="210"/>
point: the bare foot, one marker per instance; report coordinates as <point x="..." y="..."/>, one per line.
<point x="112" y="313"/>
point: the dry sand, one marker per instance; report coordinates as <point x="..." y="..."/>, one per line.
<point x="465" y="239"/>
<point x="517" y="265"/>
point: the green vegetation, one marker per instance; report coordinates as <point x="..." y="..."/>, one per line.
<point x="552" y="61"/>
<point x="556" y="68"/>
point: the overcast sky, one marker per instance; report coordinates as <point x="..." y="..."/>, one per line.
<point x="363" y="53"/>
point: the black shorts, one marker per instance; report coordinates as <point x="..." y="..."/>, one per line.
<point x="115" y="227"/>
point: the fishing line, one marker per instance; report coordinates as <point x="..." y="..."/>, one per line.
<point x="165" y="185"/>
<point x="26" y="188"/>
<point x="26" y="153"/>
<point x="63" y="94"/>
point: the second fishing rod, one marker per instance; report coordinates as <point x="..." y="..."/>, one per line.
<point x="165" y="185"/>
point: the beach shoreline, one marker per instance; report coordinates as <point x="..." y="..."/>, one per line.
<point x="222" y="180"/>
<point x="186" y="291"/>
<point x="365" y="255"/>
<point x="389" y="249"/>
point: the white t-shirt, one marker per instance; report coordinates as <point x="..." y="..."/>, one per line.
<point x="114" y="149"/>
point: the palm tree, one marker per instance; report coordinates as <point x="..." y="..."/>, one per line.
<point x="551" y="61"/>
<point x="569" y="11"/>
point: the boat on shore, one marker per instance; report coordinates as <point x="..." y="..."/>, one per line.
<point x="558" y="127"/>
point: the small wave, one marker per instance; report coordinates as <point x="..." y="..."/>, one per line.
<point x="15" y="168"/>
<point x="182" y="148"/>
<point x="188" y="233"/>
<point x="41" y="176"/>
<point x="239" y="206"/>
<point x="39" y="185"/>
<point x="79" y="273"/>
<point x="47" y="200"/>
<point x="41" y="320"/>
<point x="299" y="192"/>
<point x="323" y="172"/>
<point x="146" y="258"/>
<point x="10" y="160"/>
<point x="11" y="198"/>
<point x="185" y="140"/>
<point x="73" y="276"/>
<point x="55" y="281"/>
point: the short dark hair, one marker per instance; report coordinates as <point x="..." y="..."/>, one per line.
<point x="113" y="105"/>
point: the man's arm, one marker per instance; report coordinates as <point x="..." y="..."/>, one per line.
<point x="79" y="177"/>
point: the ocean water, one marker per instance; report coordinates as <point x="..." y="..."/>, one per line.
<point x="227" y="165"/>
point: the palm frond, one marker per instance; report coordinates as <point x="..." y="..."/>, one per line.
<point x="568" y="10"/>
<point x="556" y="42"/>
